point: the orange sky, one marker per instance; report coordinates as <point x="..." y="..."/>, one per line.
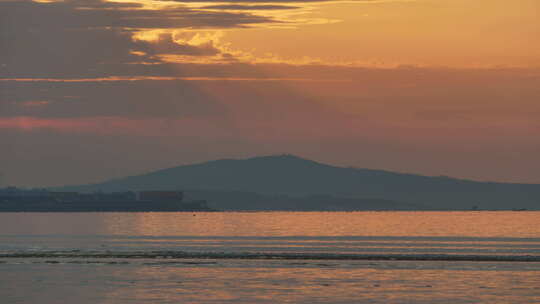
<point x="438" y="87"/>
<point x="456" y="33"/>
<point x="453" y="33"/>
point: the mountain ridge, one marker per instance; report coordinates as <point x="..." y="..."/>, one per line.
<point x="298" y="177"/>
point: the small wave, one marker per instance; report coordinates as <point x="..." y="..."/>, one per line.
<point x="270" y="255"/>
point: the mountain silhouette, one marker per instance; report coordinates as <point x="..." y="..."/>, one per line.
<point x="294" y="178"/>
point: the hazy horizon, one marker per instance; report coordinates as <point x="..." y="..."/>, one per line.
<point x="143" y="172"/>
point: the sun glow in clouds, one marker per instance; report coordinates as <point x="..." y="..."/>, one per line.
<point x="389" y="84"/>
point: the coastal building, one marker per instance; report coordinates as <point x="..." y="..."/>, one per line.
<point x="21" y="200"/>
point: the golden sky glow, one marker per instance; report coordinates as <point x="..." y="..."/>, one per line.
<point x="439" y="87"/>
<point x="455" y="33"/>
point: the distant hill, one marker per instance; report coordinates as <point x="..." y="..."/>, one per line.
<point x="296" y="179"/>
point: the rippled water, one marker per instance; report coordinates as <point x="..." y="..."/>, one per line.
<point x="304" y="257"/>
<point x="479" y="233"/>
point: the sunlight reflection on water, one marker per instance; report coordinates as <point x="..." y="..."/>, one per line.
<point x="460" y="224"/>
<point x="125" y="280"/>
<point x="345" y="232"/>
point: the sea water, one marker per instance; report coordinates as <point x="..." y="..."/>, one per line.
<point x="270" y="257"/>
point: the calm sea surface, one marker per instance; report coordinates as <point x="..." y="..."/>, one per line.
<point x="270" y="257"/>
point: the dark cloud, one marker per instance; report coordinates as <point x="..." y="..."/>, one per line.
<point x="249" y="7"/>
<point x="64" y="52"/>
<point x="77" y="14"/>
<point x="93" y="38"/>
<point x="268" y="1"/>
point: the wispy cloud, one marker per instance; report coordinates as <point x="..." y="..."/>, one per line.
<point x="243" y="7"/>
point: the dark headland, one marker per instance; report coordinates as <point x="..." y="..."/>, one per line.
<point x="288" y="182"/>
